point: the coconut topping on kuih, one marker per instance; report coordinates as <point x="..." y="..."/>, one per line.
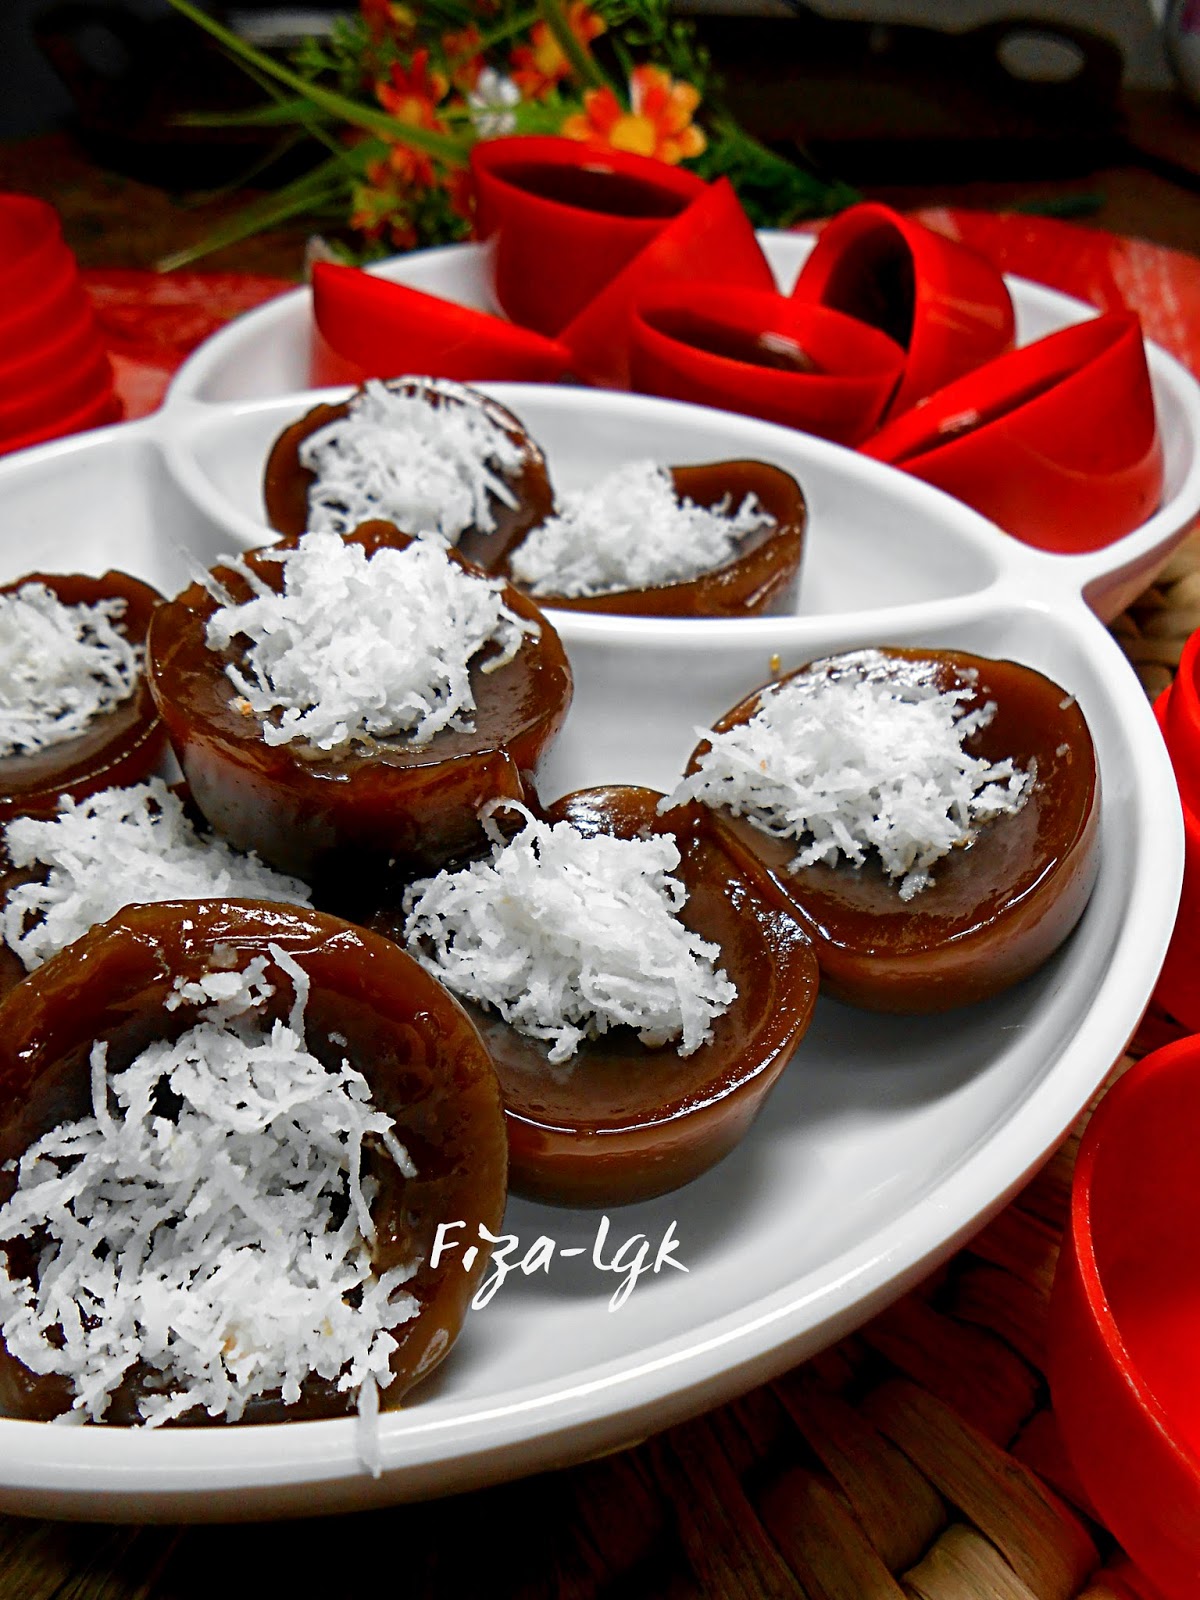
<point x="61" y="666"/>
<point x="631" y="531"/>
<point x="358" y="648"/>
<point x="429" y="459"/>
<point x="567" y="936"/>
<point x="219" y="1250"/>
<point x="861" y="753"/>
<point x="117" y="848"/>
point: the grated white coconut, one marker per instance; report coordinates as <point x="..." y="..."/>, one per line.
<point x="567" y="936"/>
<point x="861" y="752"/>
<point x="61" y="666"/>
<point x="116" y="848"/>
<point x="631" y="531"/>
<point x="432" y="462"/>
<point x="224" y="1244"/>
<point x="363" y="648"/>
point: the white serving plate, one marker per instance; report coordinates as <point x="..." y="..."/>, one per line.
<point x="887" y="1141"/>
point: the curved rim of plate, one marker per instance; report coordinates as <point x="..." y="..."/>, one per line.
<point x="460" y="1444"/>
<point x="1002" y="560"/>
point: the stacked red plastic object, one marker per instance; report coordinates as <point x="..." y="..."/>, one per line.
<point x="1178" y="712"/>
<point x="55" y="376"/>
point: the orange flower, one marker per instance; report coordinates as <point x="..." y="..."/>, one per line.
<point x="540" y="64"/>
<point x="384" y="17"/>
<point x="411" y="97"/>
<point x="464" y="57"/>
<point x="409" y="168"/>
<point x="378" y="207"/>
<point x="658" y="122"/>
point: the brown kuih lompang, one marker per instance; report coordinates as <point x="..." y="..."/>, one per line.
<point x="761" y="576"/>
<point x="997" y="908"/>
<point x="625" y="1122"/>
<point x="322" y="814"/>
<point x="286" y="483"/>
<point x="122" y="745"/>
<point x="369" y="1002"/>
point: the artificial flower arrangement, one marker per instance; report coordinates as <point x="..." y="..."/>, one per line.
<point x="396" y="95"/>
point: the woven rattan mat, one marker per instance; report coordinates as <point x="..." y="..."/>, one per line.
<point x="918" y="1458"/>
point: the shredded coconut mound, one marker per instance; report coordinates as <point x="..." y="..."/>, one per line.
<point x="631" y="531"/>
<point x="431" y="462"/>
<point x="117" y="848"/>
<point x="221" y="1247"/>
<point x="567" y="936"/>
<point x="60" y="667"/>
<point x="362" y="647"/>
<point x="861" y="752"/>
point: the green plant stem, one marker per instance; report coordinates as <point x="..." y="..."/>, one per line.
<point x="450" y="150"/>
<point x="324" y="184"/>
<point x="582" y="63"/>
<point x="508" y="30"/>
<point x="280" y="114"/>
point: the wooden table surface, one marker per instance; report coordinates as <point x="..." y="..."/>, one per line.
<point x="560" y="1533"/>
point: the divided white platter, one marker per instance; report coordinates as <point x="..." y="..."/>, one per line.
<point x="886" y="1143"/>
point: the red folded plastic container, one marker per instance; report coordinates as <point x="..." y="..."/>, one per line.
<point x="947" y="306"/>
<point x="754" y="351"/>
<point x="366" y="327"/>
<point x="562" y="219"/>
<point x="712" y="241"/>
<point x="1057" y="441"/>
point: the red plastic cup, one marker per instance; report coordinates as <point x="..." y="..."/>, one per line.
<point x="563" y="219"/>
<point x="1057" y="442"/>
<point x="946" y="305"/>
<point x="1178" y="712"/>
<point x="367" y="327"/>
<point x="754" y="351"/>
<point x="1125" y="1317"/>
<point x="712" y="241"/>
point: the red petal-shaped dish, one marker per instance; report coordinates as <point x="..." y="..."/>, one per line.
<point x="367" y="327"/>
<point x="1057" y="441"/>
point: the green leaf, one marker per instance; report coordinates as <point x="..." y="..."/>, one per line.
<point x="351" y="111"/>
<point x="281" y="114"/>
<point x="546" y="115"/>
<point x="584" y="67"/>
<point x="510" y="28"/>
<point x="325" y="184"/>
<point x="774" y="191"/>
<point x="1060" y="205"/>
